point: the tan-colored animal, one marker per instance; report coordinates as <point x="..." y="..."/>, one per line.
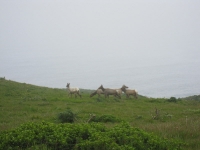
<point x="119" y="91"/>
<point x="108" y="92"/>
<point x="98" y="91"/>
<point x="130" y="92"/>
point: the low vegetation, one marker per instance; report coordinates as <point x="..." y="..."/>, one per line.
<point x="33" y="117"/>
<point x="67" y="117"/>
<point x="82" y="136"/>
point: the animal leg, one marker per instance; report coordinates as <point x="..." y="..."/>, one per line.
<point x="99" y="95"/>
<point x="135" y="95"/>
<point x="128" y="95"/>
<point x="70" y="95"/>
<point x="119" y="95"/>
<point x="75" y="95"/>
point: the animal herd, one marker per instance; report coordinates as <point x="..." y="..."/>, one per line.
<point x="105" y="91"/>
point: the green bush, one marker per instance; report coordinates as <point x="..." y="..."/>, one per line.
<point x="67" y="117"/>
<point x="172" y="99"/>
<point x="94" y="136"/>
<point x="105" y="118"/>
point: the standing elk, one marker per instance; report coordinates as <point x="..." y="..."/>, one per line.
<point x="129" y="92"/>
<point x="73" y="90"/>
<point x="108" y="92"/>
<point x="120" y="90"/>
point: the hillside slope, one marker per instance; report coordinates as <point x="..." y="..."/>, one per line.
<point x="22" y="103"/>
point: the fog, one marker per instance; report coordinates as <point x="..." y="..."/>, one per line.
<point x="91" y="34"/>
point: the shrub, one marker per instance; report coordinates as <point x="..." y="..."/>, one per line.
<point x="172" y="99"/>
<point x="66" y="117"/>
<point x="94" y="136"/>
<point x="105" y="118"/>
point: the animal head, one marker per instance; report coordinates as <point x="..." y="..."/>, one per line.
<point x="92" y="94"/>
<point x="124" y="87"/>
<point x="68" y="84"/>
<point x="101" y="87"/>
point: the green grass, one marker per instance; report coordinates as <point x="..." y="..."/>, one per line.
<point x="21" y="103"/>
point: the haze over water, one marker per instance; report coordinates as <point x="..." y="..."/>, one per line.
<point x="153" y="47"/>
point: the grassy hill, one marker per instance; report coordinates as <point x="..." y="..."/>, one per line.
<point x="168" y="118"/>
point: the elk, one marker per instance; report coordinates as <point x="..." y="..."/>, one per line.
<point x="129" y="92"/>
<point x="108" y="92"/>
<point x="98" y="91"/>
<point x="120" y="90"/>
<point x="73" y="90"/>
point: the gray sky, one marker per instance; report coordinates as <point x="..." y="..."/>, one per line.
<point x="137" y="32"/>
<point x="142" y="27"/>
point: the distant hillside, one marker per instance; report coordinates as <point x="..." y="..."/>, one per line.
<point x="8" y="85"/>
<point x="194" y="97"/>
